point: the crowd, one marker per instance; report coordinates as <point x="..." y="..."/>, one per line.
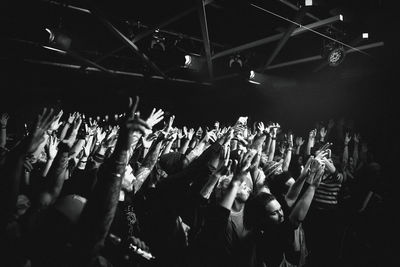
<point x="126" y="190"/>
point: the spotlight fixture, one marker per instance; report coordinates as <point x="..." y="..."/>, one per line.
<point x="254" y="78"/>
<point x="335" y="54"/>
<point x="158" y="42"/>
<point x="193" y="62"/>
<point x="58" y="39"/>
<point x="236" y="62"/>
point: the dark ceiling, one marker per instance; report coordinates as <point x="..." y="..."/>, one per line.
<point x="230" y="24"/>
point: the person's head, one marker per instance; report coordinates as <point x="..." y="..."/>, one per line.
<point x="262" y="211"/>
<point x="271" y="168"/>
<point x="279" y="184"/>
<point x="172" y="162"/>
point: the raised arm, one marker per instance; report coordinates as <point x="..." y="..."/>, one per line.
<point x="3" y="132"/>
<point x="242" y="167"/>
<point x="311" y="141"/>
<point x="56" y="176"/>
<point x="301" y="208"/>
<point x="100" y="208"/>
<point x="273" y="133"/>
<point x="295" y="190"/>
<point x="345" y="158"/>
<point x="299" y="143"/>
<point x="288" y="157"/>
<point x="356" y="139"/>
<point x="12" y="170"/>
<point x="222" y="169"/>
<point x="148" y="163"/>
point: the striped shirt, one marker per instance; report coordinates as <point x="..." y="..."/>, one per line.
<point x="327" y="193"/>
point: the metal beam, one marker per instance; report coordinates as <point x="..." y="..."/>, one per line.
<point x="92" y="69"/>
<point x="83" y="10"/>
<point x="317" y="57"/>
<point x="269" y="39"/>
<point x="299" y="17"/>
<point x="307" y="14"/>
<point x="167" y="22"/>
<point x="128" y="43"/>
<point x="206" y="38"/>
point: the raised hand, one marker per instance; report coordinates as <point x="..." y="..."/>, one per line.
<point x="299" y="141"/>
<point x="322" y="132"/>
<point x="290" y="140"/>
<point x="190" y="134"/>
<point x="69" y="140"/>
<point x="71" y="117"/>
<point x="260" y="127"/>
<point x="312" y="134"/>
<point x="306" y="169"/>
<point x="42" y="125"/>
<point x="168" y="126"/>
<point x="4" y="119"/>
<point x="274" y="129"/>
<point x="130" y="124"/>
<point x="243" y="166"/>
<point x="52" y="147"/>
<point x="216" y="125"/>
<point x="100" y="135"/>
<point x="210" y="136"/>
<point x="316" y="176"/>
<point x="155" y="117"/>
<point x="224" y="163"/>
<point x="347" y="139"/>
<point x="148" y="140"/>
<point x="356" y="138"/>
<point x="181" y="135"/>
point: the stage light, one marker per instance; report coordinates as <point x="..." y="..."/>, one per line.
<point x="193" y="62"/>
<point x="365" y="35"/>
<point x="334" y="54"/>
<point x="188" y="60"/>
<point x="236" y="62"/>
<point x="254" y="77"/>
<point x="158" y="42"/>
<point x="57" y="39"/>
<point x="308" y="3"/>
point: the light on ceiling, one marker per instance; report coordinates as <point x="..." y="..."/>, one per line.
<point x="157" y="43"/>
<point x="308" y="3"/>
<point x="57" y="39"/>
<point x="236" y="62"/>
<point x="335" y="54"/>
<point x="188" y="60"/>
<point x="193" y="62"/>
<point x="254" y="77"/>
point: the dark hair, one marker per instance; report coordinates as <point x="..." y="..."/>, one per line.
<point x="277" y="184"/>
<point x="254" y="210"/>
